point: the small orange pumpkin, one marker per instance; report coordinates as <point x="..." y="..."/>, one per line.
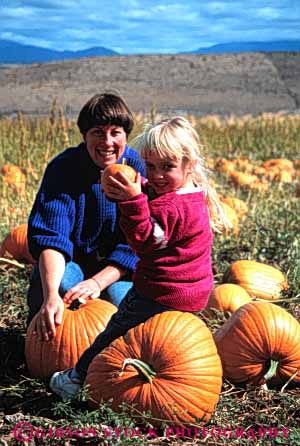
<point x="248" y="181"/>
<point x="167" y="366"/>
<point x="238" y="205"/>
<point x="15" y="244"/>
<point x="281" y="163"/>
<point x="14" y="177"/>
<point x="244" y="164"/>
<point x="114" y="169"/>
<point x="258" y="279"/>
<point x="232" y="217"/>
<point x="227" y="297"/>
<point x="260" y="341"/>
<point x="76" y="333"/>
<point x="243" y="179"/>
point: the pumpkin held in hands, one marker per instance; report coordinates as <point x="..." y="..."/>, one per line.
<point x="113" y="170"/>
<point x="167" y="366"/>
<point x="76" y="333"/>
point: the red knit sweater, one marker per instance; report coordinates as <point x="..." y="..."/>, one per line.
<point x="171" y="234"/>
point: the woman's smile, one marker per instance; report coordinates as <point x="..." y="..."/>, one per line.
<point x="105" y="144"/>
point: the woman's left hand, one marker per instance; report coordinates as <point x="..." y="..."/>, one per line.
<point x="120" y="188"/>
<point x="83" y="291"/>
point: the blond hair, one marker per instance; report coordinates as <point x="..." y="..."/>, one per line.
<point x="176" y="138"/>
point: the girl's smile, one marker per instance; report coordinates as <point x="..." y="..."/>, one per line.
<point x="168" y="175"/>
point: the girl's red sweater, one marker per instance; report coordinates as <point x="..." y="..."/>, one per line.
<point x="171" y="235"/>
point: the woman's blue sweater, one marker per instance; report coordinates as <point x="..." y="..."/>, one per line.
<point x="72" y="215"/>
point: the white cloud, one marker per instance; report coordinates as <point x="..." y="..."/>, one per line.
<point x="268" y="13"/>
<point x="19" y="12"/>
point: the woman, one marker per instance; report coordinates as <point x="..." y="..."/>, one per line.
<point x="73" y="228"/>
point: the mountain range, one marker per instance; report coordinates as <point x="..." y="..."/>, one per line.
<point x="16" y="53"/>
<point x="283" y="45"/>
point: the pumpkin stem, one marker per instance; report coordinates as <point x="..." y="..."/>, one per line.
<point x="141" y="366"/>
<point x="124" y="161"/>
<point x="272" y="370"/>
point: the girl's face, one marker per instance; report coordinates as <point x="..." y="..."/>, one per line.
<point x="168" y="175"/>
<point x="105" y="144"/>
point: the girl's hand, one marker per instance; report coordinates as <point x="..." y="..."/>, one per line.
<point x="83" y="291"/>
<point x="120" y="188"/>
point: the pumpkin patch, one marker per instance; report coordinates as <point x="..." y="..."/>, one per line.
<point x="255" y="168"/>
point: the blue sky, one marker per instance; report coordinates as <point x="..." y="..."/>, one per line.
<point x="147" y="26"/>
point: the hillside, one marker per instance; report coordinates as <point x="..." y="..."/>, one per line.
<point x="228" y="83"/>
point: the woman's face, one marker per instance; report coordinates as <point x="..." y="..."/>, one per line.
<point x="105" y="144"/>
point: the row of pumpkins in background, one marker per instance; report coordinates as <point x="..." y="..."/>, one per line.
<point x="241" y="172"/>
<point x="244" y="174"/>
<point x="172" y="365"/>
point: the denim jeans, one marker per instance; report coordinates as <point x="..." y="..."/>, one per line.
<point x="133" y="310"/>
<point x="72" y="275"/>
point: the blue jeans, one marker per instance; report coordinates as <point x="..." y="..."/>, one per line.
<point x="73" y="274"/>
<point x="133" y="310"/>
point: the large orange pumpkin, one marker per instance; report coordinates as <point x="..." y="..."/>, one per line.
<point x="227" y="297"/>
<point x="167" y="366"/>
<point x="76" y="333"/>
<point x="15" y="244"/>
<point x="259" y="339"/>
<point x="258" y="279"/>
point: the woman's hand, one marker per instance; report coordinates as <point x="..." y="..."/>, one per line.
<point x="83" y="291"/>
<point x="120" y="188"/>
<point x="47" y="319"/>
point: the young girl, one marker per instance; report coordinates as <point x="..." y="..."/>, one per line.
<point x="170" y="229"/>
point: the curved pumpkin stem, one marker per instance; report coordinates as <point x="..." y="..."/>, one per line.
<point x="141" y="366"/>
<point x="272" y="370"/>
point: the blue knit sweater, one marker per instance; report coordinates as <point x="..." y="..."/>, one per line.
<point x="72" y="215"/>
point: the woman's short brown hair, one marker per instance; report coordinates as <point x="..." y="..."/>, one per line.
<point x="105" y="109"/>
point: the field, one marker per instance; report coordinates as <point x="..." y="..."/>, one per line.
<point x="268" y="233"/>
